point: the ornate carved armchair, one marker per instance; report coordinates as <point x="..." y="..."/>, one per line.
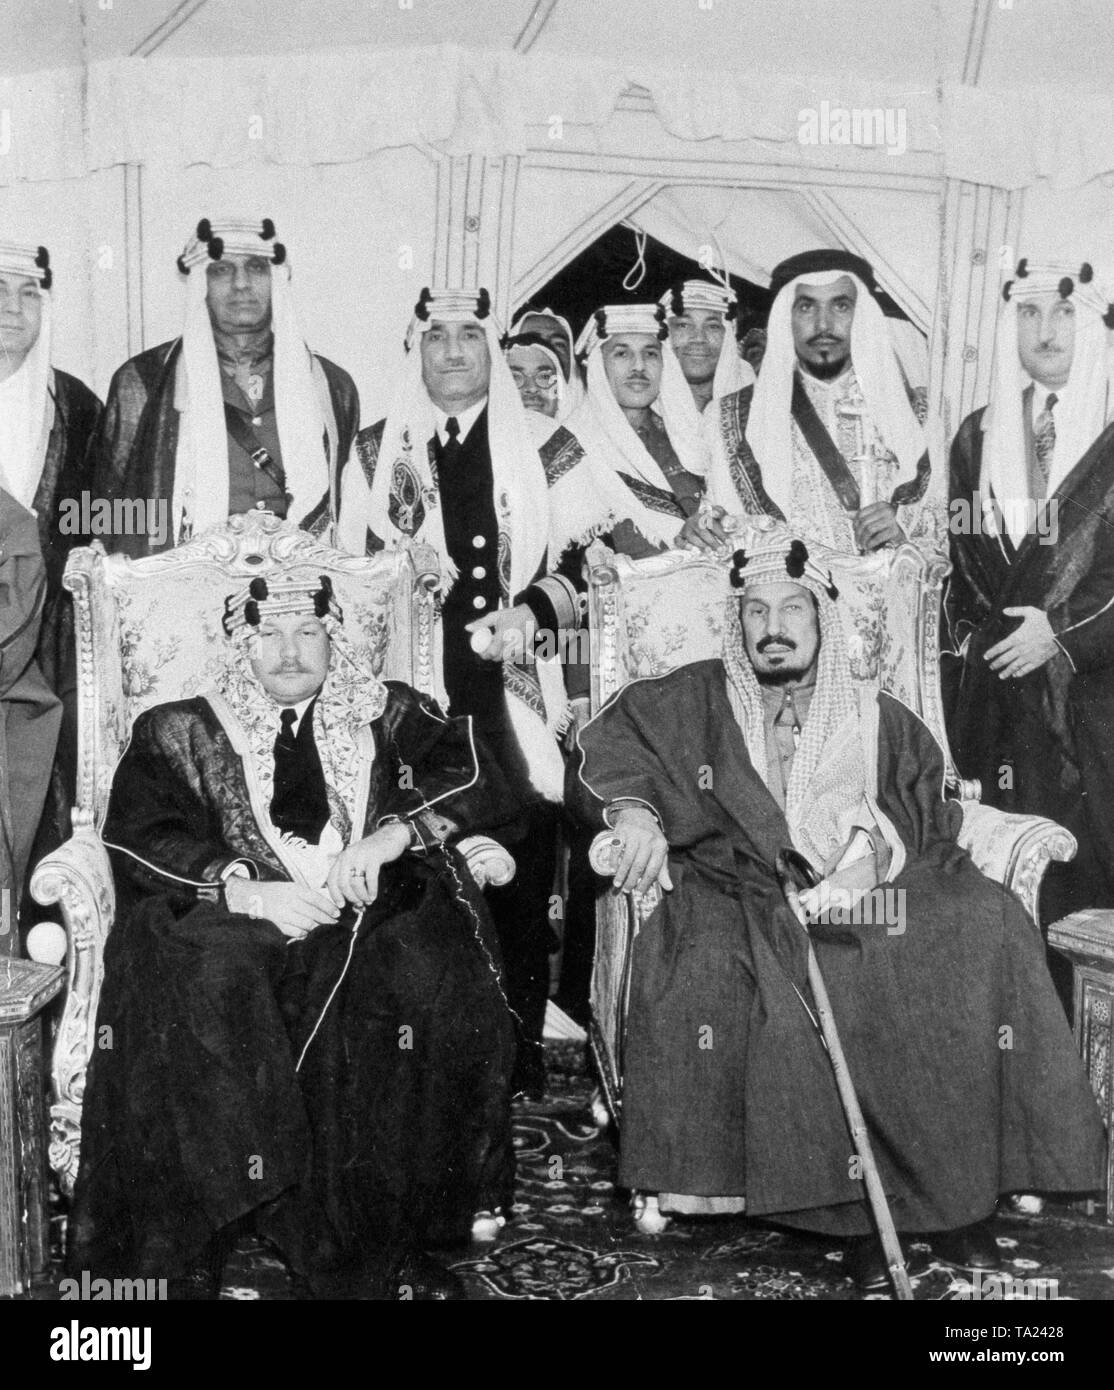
<point x="149" y="631"/>
<point x="650" y="616"/>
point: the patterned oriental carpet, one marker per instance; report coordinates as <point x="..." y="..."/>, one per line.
<point x="572" y="1237"/>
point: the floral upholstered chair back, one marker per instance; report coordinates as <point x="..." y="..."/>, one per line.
<point x="651" y="616"/>
<point x="149" y="631"/>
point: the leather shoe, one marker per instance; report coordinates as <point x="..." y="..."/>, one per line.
<point x="421" y="1278"/>
<point x="972" y="1247"/>
<point x="865" y="1263"/>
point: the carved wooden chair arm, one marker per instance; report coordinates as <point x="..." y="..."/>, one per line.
<point x="488" y="861"/>
<point x="77" y="876"/>
<point x="1014" y="850"/>
<point x="603" y="855"/>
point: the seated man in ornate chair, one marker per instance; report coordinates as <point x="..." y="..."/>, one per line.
<point x="953" y="1035"/>
<point x="302" y="989"/>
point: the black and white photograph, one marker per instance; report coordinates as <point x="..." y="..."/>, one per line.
<point x="556" y="667"/>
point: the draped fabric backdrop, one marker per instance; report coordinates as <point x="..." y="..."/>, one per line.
<point x="515" y="166"/>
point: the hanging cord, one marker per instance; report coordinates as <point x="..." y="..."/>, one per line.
<point x="462" y="898"/>
<point x="333" y="991"/>
<point x="721" y="277"/>
<point x="637" y="273"/>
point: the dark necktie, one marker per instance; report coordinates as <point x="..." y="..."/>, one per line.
<point x="1044" y="440"/>
<point x="284" y="743"/>
<point x="300" y="804"/>
<point x="450" y="453"/>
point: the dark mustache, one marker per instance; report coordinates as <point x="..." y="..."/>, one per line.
<point x="774" y="640"/>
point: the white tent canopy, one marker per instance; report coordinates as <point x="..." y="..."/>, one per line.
<point x="492" y="141"/>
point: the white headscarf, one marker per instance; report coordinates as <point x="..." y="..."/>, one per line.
<point x="769" y="424"/>
<point x="592" y="497"/>
<point x="682" y="426"/>
<point x="1004" y="463"/>
<point x="541" y="425"/>
<point x="574" y="386"/>
<point x="303" y="417"/>
<point x="732" y="372"/>
<point x="26" y="403"/>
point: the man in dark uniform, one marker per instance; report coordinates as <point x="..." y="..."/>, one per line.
<point x="453" y="465"/>
<point x="235" y="414"/>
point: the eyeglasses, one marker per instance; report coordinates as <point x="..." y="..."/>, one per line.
<point x="544" y="379"/>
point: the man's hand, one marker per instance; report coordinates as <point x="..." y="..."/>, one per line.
<point x="292" y="907"/>
<point x="704" y="530"/>
<point x="643" y="852"/>
<point x="512" y="632"/>
<point x="876" y="526"/>
<point x="1026" y="649"/>
<point x="354" y="876"/>
<point x="849" y="885"/>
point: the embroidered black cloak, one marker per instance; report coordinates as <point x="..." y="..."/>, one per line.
<point x="396" y="1130"/>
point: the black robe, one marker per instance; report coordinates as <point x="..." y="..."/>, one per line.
<point x="727" y="1088"/>
<point x="67" y="473"/>
<point x="1043" y="744"/>
<point x="135" y="449"/>
<point x="396" y="1131"/>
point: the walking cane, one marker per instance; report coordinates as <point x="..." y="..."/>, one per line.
<point x="880" y="1208"/>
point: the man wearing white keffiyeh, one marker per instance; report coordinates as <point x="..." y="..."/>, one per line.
<point x="630" y="462"/>
<point x="833" y="437"/>
<point x="1030" y="601"/>
<point x="557" y="333"/>
<point x="706" y="776"/>
<point x="235" y="414"/>
<point x="454" y="466"/>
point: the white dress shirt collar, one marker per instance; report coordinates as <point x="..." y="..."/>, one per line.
<point x="465" y="419"/>
<point x="1041" y="394"/>
<point x="299" y="709"/>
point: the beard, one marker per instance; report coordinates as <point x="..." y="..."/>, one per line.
<point x="783" y="675"/>
<point x="793" y="667"/>
<point x="829" y="370"/>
